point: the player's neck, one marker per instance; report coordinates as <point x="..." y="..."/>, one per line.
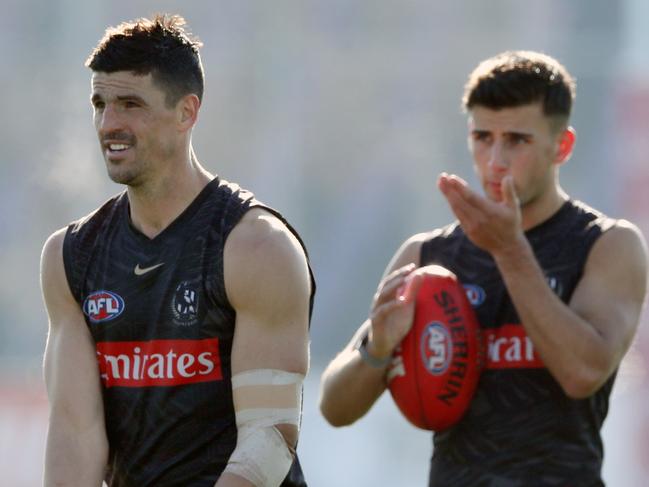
<point x="158" y="202"/>
<point x="542" y="208"/>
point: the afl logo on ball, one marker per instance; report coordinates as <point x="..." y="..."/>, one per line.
<point x="436" y="352"/>
<point x="475" y="294"/>
<point x="103" y="306"/>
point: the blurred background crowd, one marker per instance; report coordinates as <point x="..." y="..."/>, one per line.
<point x="341" y="114"/>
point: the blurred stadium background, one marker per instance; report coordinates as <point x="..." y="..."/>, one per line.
<point x="340" y="114"/>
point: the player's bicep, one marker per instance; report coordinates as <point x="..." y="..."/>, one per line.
<point x="408" y="253"/>
<point x="268" y="284"/>
<point x="611" y="293"/>
<point x="70" y="365"/>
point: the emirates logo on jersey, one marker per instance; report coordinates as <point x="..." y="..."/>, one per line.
<point x="509" y="347"/>
<point x="158" y="363"/>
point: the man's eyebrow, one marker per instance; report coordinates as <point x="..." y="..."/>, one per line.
<point x="136" y="98"/>
<point x="508" y="133"/>
<point x="518" y="133"/>
<point x="97" y="97"/>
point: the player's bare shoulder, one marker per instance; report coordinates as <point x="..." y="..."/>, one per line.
<point x="261" y="238"/>
<point x="53" y="246"/>
<point x="628" y="234"/>
<point x="62" y="309"/>
<point x="623" y="243"/>
<point x="410" y="251"/>
<point x="53" y="281"/>
<point x="262" y="254"/>
<point x="618" y="261"/>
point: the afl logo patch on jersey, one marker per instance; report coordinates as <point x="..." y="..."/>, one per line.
<point x="475" y="294"/>
<point x="436" y="350"/>
<point x="103" y="306"/>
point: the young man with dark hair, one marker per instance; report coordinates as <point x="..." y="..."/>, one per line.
<point x="179" y="309"/>
<point x="552" y="274"/>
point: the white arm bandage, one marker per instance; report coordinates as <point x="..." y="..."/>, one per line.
<point x="264" y="398"/>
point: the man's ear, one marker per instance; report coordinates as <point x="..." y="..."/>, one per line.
<point x="188" y="107"/>
<point x="566" y="143"/>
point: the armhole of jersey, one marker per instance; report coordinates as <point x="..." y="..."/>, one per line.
<point x="599" y="227"/>
<point x="280" y="217"/>
<point x="426" y="252"/>
<point x="248" y="202"/>
<point x="607" y="224"/>
<point x="67" y="263"/>
<point x="602" y="226"/>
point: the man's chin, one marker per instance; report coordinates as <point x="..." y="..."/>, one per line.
<point x="122" y="177"/>
<point x="121" y="171"/>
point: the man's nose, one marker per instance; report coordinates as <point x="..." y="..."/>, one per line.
<point x="109" y="120"/>
<point x="497" y="157"/>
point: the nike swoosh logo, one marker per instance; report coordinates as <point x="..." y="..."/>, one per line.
<point x="140" y="271"/>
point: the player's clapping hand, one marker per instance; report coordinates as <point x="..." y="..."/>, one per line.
<point x="494" y="226"/>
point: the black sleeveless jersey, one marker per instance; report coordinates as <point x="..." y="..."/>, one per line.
<point x="163" y="328"/>
<point x="521" y="430"/>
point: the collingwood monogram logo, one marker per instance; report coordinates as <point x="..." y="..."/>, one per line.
<point x="185" y="305"/>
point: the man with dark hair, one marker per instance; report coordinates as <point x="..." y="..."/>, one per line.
<point x="546" y="272"/>
<point x="179" y="309"/>
<point x="162" y="48"/>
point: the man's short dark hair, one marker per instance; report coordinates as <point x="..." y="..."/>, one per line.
<point x="160" y="47"/>
<point x="516" y="78"/>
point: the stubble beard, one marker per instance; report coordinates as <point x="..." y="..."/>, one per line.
<point x="121" y="174"/>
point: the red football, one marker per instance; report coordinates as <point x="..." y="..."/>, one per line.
<point x="435" y="370"/>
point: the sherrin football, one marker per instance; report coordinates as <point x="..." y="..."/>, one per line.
<point x="434" y="372"/>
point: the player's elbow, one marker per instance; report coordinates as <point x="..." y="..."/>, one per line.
<point x="337" y="420"/>
<point x="584" y="384"/>
<point x="578" y="390"/>
<point x="344" y="397"/>
<point x="336" y="412"/>
<point x="334" y="415"/>
<point x="290" y="433"/>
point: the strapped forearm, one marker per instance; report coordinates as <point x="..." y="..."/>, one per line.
<point x="263" y="400"/>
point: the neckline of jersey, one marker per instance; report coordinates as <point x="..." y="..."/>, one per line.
<point x="181" y="219"/>
<point x="556" y="216"/>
